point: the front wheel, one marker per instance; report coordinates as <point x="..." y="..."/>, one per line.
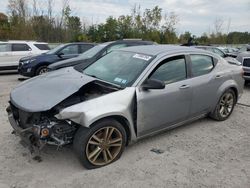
<point x="101" y="144"/>
<point x="41" y="70"/>
<point x="225" y="106"/>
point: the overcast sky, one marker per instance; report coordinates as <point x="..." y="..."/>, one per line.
<point x="196" y="16"/>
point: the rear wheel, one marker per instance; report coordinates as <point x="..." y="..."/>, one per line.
<point x="225" y="106"/>
<point x="41" y="70"/>
<point x="100" y="145"/>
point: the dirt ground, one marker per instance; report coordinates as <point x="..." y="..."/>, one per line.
<point x="205" y="153"/>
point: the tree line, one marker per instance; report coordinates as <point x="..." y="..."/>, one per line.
<point x="25" y="23"/>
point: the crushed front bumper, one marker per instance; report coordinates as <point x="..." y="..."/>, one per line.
<point x="28" y="139"/>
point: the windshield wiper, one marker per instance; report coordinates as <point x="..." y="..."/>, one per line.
<point x="91" y="75"/>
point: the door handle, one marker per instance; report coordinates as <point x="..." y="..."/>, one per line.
<point x="218" y="76"/>
<point x="184" y="86"/>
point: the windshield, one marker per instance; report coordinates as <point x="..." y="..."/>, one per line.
<point x="119" y="67"/>
<point x="92" y="52"/>
<point x="54" y="50"/>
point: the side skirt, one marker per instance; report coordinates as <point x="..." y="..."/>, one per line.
<point x="173" y="126"/>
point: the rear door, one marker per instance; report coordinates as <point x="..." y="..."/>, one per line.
<point x="159" y="108"/>
<point x="19" y="50"/>
<point x="206" y="79"/>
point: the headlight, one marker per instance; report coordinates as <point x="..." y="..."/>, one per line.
<point x="28" y="61"/>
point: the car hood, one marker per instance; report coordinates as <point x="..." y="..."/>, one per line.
<point x="43" y="92"/>
<point x="243" y="55"/>
<point x="232" y="60"/>
<point x="67" y="63"/>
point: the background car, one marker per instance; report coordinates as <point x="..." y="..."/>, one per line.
<point x="244" y="58"/>
<point x="124" y="96"/>
<point x="213" y="49"/>
<point x="220" y="52"/>
<point x="97" y="52"/>
<point x="243" y="49"/>
<point x="36" y="65"/>
<point x="228" y="50"/>
<point x="12" y="51"/>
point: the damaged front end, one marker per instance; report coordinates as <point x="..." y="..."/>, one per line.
<point x="37" y="129"/>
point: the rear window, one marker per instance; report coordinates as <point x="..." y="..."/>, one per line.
<point x="201" y="64"/>
<point x="20" y="47"/>
<point x="42" y="46"/>
<point x="4" y="47"/>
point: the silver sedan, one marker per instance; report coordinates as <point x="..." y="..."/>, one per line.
<point x="126" y="95"/>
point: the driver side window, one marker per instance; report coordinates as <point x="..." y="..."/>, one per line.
<point x="171" y="70"/>
<point x="72" y="49"/>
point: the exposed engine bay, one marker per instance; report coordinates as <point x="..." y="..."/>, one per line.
<point x="41" y="128"/>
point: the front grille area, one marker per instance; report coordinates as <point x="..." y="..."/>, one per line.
<point x="246" y="73"/>
<point x="23" y="118"/>
<point x="246" y="62"/>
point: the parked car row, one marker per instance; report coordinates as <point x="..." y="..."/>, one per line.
<point x="114" y="96"/>
<point x="12" y="51"/>
<point x="35" y="65"/>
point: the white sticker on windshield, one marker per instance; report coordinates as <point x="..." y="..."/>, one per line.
<point x="143" y="57"/>
<point x="120" y="80"/>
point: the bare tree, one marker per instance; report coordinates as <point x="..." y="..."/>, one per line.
<point x="50" y="9"/>
<point x="18" y="8"/>
<point x="65" y="4"/>
<point x="35" y="10"/>
<point x="218" y="23"/>
<point x="228" y="25"/>
<point x="170" y="21"/>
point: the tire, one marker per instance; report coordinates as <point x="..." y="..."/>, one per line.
<point x="41" y="70"/>
<point x="91" y="147"/>
<point x="225" y="106"/>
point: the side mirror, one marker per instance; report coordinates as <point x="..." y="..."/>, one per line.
<point x="153" y="84"/>
<point x="60" y="54"/>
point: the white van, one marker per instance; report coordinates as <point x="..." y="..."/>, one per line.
<point x="12" y="51"/>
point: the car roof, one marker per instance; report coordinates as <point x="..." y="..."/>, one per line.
<point x="23" y="41"/>
<point x="79" y="43"/>
<point x="129" y="41"/>
<point x="201" y="46"/>
<point x="154" y="50"/>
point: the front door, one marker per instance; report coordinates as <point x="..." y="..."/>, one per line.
<point x="68" y="52"/>
<point x="158" y="109"/>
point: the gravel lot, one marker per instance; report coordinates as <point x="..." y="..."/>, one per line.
<point x="205" y="153"/>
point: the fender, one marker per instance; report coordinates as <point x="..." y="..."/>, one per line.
<point x="118" y="103"/>
<point x="225" y="86"/>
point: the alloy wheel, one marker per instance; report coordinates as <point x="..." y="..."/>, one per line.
<point x="43" y="70"/>
<point x="226" y="104"/>
<point x="104" y="145"/>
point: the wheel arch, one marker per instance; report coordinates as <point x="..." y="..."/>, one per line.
<point x="229" y="84"/>
<point x="235" y="90"/>
<point x="122" y="120"/>
<point x="43" y="63"/>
